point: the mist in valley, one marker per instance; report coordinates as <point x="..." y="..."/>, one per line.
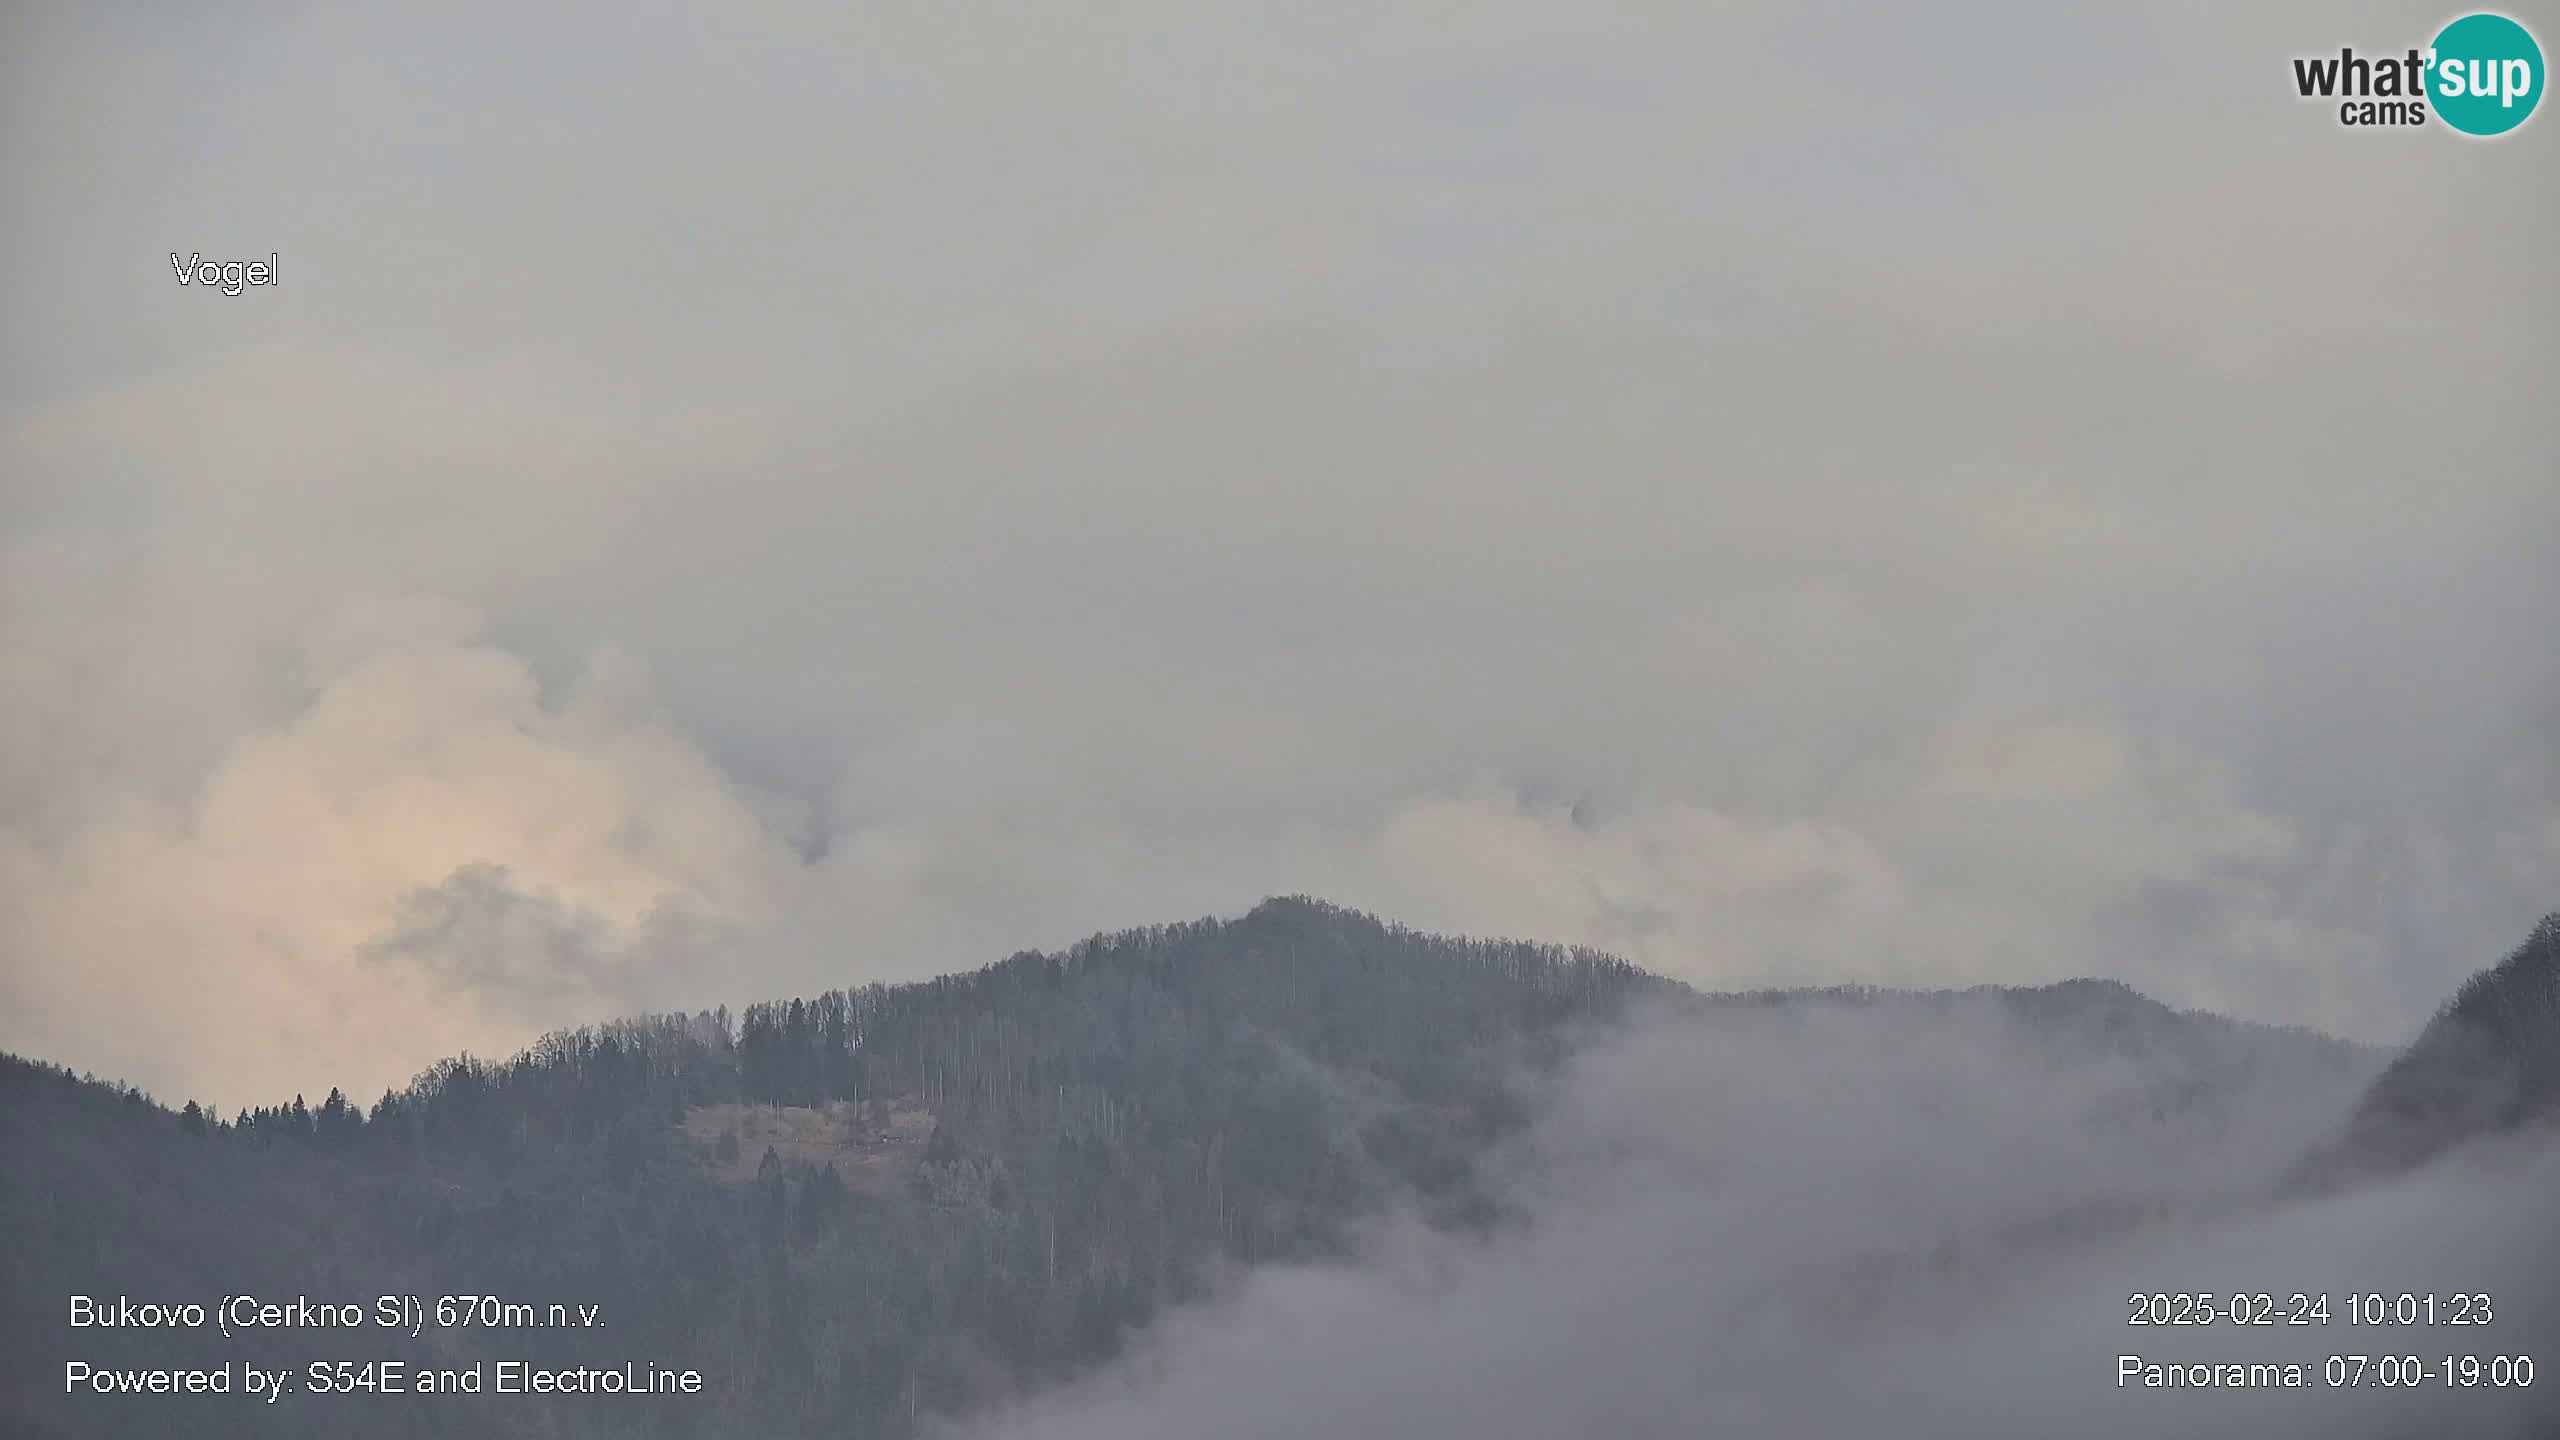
<point x="1918" y="1220"/>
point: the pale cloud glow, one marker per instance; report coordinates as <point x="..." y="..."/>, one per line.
<point x="716" y="510"/>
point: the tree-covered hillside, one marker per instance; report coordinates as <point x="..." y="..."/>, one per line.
<point x="2488" y="1062"/>
<point x="854" y="1212"/>
<point x="973" y="1185"/>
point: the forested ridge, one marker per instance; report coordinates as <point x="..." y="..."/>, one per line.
<point x="856" y="1212"/>
<point x="2488" y="1062"/>
<point x="1105" y="1128"/>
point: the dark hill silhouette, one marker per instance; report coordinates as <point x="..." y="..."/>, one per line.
<point x="854" y="1211"/>
<point x="2488" y="1063"/>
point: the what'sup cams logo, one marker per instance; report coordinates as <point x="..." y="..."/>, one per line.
<point x="2482" y="75"/>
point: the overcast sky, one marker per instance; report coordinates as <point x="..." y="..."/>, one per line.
<point x="728" y="502"/>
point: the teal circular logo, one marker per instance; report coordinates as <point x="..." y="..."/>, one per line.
<point x="2484" y="74"/>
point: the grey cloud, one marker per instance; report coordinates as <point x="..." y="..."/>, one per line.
<point x="539" y="957"/>
<point x="477" y="931"/>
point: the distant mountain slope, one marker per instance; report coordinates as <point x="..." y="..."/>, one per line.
<point x="2488" y="1062"/>
<point x="854" y="1211"/>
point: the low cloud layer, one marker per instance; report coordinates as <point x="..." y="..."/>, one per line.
<point x="1905" y="1222"/>
<point x="716" y="510"/>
